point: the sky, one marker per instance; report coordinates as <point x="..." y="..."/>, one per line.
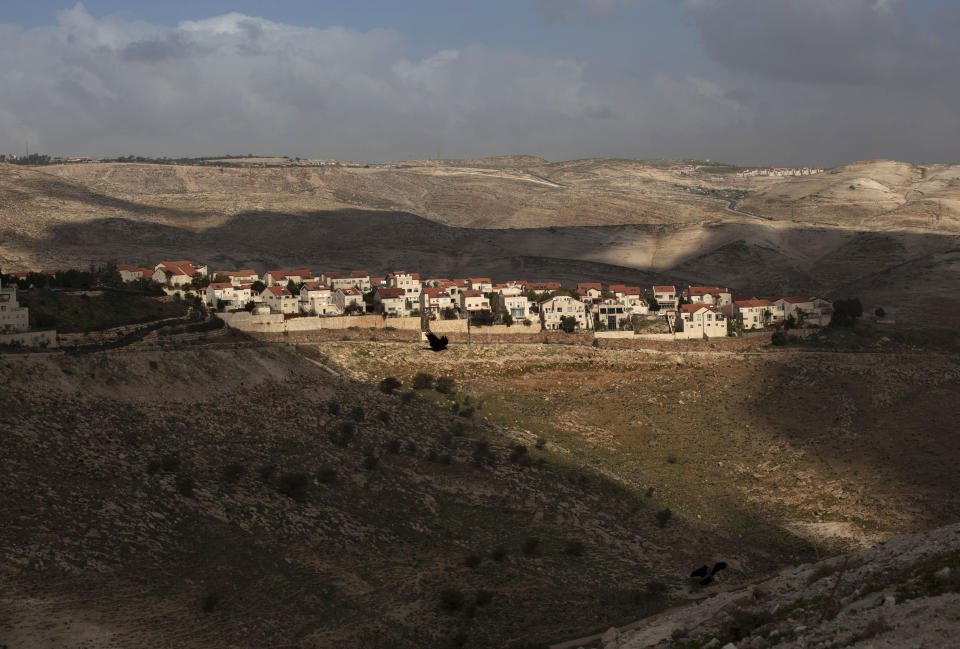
<point x="753" y="82"/>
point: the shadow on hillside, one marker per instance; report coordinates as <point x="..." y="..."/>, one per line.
<point x="756" y="258"/>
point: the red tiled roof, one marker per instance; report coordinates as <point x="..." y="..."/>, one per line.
<point x="704" y="290"/>
<point x="247" y="272"/>
<point x="221" y="285"/>
<point x="283" y="274"/>
<point x="351" y="291"/>
<point x="178" y="267"/>
<point x="664" y="289"/>
<point x="471" y="293"/>
<point x="586" y="286"/>
<point x="796" y="299"/>
<point x="279" y="290"/>
<point x="753" y="303"/>
<point x="390" y="293"/>
<point x="693" y="308"/>
<point x="360" y="273"/>
<point x="435" y="292"/>
<point x="480" y="280"/>
<point x="314" y="286"/>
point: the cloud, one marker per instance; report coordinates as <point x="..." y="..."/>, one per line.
<point x="806" y="83"/>
<point x="554" y="11"/>
<point x="854" y="42"/>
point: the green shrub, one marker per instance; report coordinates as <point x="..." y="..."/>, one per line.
<point x="664" y="516"/>
<point x="445" y="385"/>
<point x="472" y="561"/>
<point x="371" y="462"/>
<point x="333" y="408"/>
<point x="208" y="603"/>
<point x="356" y="413"/>
<point x="266" y="472"/>
<point x="389" y="385"/>
<point x="779" y="338"/>
<point x="422" y="381"/>
<point x="499" y="553"/>
<point x="483" y="598"/>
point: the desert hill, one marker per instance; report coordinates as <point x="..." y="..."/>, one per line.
<point x="245" y="497"/>
<point x="891" y="237"/>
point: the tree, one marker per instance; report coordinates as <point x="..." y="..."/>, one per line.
<point x="507" y="319"/>
<point x="353" y="308"/>
<point x="568" y="323"/>
<point x="221" y="279"/>
<point x="651" y="301"/>
<point x="766" y="317"/>
<point x="199" y="281"/>
<point x="846" y="312"/>
<point x="258" y="287"/>
<point x="293" y="287"/>
<point x="879" y="312"/>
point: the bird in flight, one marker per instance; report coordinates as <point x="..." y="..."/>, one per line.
<point x="436" y="344"/>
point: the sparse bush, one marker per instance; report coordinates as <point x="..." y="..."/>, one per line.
<point x="344" y="433"/>
<point x="371" y="462"/>
<point x="445" y="458"/>
<point x="294" y="485"/>
<point x="326" y="475"/>
<point x="445" y="385"/>
<point x="393" y="446"/>
<point x="458" y="428"/>
<point x="531" y="546"/>
<point x="874" y="628"/>
<point x="481" y="451"/>
<point x="406" y="397"/>
<point x="432" y="456"/>
<point x="483" y="598"/>
<point x="455" y="408"/>
<point x="467" y="412"/>
<point x="333" y="408"/>
<point x="671" y="459"/>
<point x="451" y="600"/>
<point x="153" y="365"/>
<point x="266" y="472"/>
<point x="649" y="493"/>
<point x="574" y="548"/>
<point x="185" y="486"/>
<point x="472" y="561"/>
<point x="779" y="338"/>
<point x="384" y="417"/>
<point x="233" y="472"/>
<point x="656" y="588"/>
<point x="389" y="385"/>
<point x="664" y="516"/>
<point x="519" y="455"/>
<point x="356" y="413"/>
<point x="423" y="381"/>
<point x="170" y="462"/>
<point x="541" y="442"/>
<point x="499" y="553"/>
<point x="209" y="603"/>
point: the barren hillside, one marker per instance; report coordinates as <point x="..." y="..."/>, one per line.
<point x="891" y="238"/>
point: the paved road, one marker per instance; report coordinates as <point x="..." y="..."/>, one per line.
<point x="733" y="208"/>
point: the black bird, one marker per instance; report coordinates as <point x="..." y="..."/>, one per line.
<point x="718" y="566"/>
<point x="436" y="344"/>
<point x="700" y="572"/>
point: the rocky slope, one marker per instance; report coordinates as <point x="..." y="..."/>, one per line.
<point x="902" y="593"/>
<point x="245" y="497"/>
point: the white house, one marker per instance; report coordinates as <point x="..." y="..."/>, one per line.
<point x="611" y="313"/>
<point x="697" y="321"/>
<point x="757" y="314"/>
<point x="283" y="277"/>
<point x="666" y="296"/>
<point x="473" y="300"/>
<point x="316" y="298"/>
<point x="409" y="282"/>
<point x="238" y="277"/>
<point x="234" y="297"/>
<point x="359" y="279"/>
<point x="391" y="301"/>
<point x="561" y="306"/>
<point x="177" y="273"/>
<point x="482" y="284"/>
<point x="708" y="295"/>
<point x="435" y="299"/>
<point x="13" y="317"/>
<point x="631" y="297"/>
<point x="344" y="298"/>
<point x="806" y="310"/>
<point x="133" y="273"/>
<point x="590" y="292"/>
<point x="280" y="300"/>
<point x="518" y="306"/>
